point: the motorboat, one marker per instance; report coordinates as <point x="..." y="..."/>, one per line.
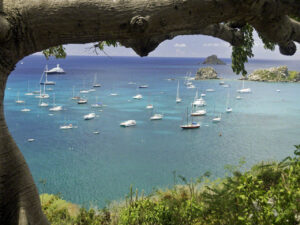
<point x="114" y="94"/>
<point x="128" y="123"/>
<point x="150" y="106"/>
<point x="138" y="96"/>
<point x="203" y="95"/>
<point x="56" y="108"/>
<point x="25" y="110"/>
<point x="221" y="83"/>
<point x="84" y="91"/>
<point x="82" y="101"/>
<point x="143" y="86"/>
<point x="156" y="117"/>
<point x="238" y="97"/>
<point x="89" y="116"/>
<point x="228" y="110"/>
<point x="56" y="70"/>
<point x="30" y="139"/>
<point x="66" y="127"/>
<point x="210" y="90"/>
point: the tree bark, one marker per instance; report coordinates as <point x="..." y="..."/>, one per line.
<point x="28" y="26"/>
<point x="19" y="198"/>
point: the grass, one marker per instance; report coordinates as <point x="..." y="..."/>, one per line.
<point x="267" y="194"/>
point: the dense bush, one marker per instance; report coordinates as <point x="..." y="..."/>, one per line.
<point x="267" y="194"/>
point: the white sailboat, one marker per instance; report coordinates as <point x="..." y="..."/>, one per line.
<point x="46" y="82"/>
<point x="197" y="112"/>
<point x="43" y="104"/>
<point x="18" y="101"/>
<point x="96" y="84"/>
<point x="178" y="99"/>
<point x="75" y="97"/>
<point x="55" y="107"/>
<point x="43" y="95"/>
<point x="84" y="90"/>
<point x="217" y="119"/>
<point x="244" y="90"/>
<point x="28" y="93"/>
<point x="228" y="109"/>
<point x="96" y="104"/>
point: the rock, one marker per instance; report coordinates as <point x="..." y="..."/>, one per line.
<point x="275" y="74"/>
<point x="213" y="60"/>
<point x="206" y="73"/>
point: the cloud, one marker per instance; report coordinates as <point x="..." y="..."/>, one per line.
<point x="216" y="44"/>
<point x="178" y="45"/>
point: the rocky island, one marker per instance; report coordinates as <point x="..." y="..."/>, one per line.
<point x="213" y="60"/>
<point x="206" y="73"/>
<point x="275" y="74"/>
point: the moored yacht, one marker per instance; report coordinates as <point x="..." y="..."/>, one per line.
<point x="55" y="70"/>
<point x="89" y="116"/>
<point x="156" y="117"/>
<point x="128" y="123"/>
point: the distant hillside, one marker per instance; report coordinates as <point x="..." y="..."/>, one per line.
<point x="213" y="60"/>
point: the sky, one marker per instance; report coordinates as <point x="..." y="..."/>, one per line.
<point x="186" y="46"/>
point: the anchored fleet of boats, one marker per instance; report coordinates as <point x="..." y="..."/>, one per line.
<point x="197" y="105"/>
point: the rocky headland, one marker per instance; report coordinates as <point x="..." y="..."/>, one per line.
<point x="206" y="73"/>
<point x="274" y="74"/>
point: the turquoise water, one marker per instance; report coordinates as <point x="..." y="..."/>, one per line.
<point x="93" y="169"/>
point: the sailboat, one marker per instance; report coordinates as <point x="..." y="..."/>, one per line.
<point x="178" y="99"/>
<point x="97" y="104"/>
<point x="43" y="104"/>
<point x="216" y="119"/>
<point x="75" y="97"/>
<point x="197" y="112"/>
<point x="84" y="91"/>
<point x="46" y="82"/>
<point x="55" y="107"/>
<point x="95" y="84"/>
<point x="189" y="125"/>
<point x="42" y="95"/>
<point x="82" y="101"/>
<point x="28" y="93"/>
<point x="228" y="109"/>
<point x="18" y="101"/>
<point x="244" y="90"/>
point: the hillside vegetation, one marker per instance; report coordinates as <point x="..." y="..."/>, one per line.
<point x="267" y="194"/>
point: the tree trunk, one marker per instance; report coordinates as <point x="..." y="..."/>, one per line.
<point x="19" y="199"/>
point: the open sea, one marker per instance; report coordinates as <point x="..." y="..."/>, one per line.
<point x="94" y="169"/>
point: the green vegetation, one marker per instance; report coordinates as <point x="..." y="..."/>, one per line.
<point x="267" y="194"/>
<point x="275" y="74"/>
